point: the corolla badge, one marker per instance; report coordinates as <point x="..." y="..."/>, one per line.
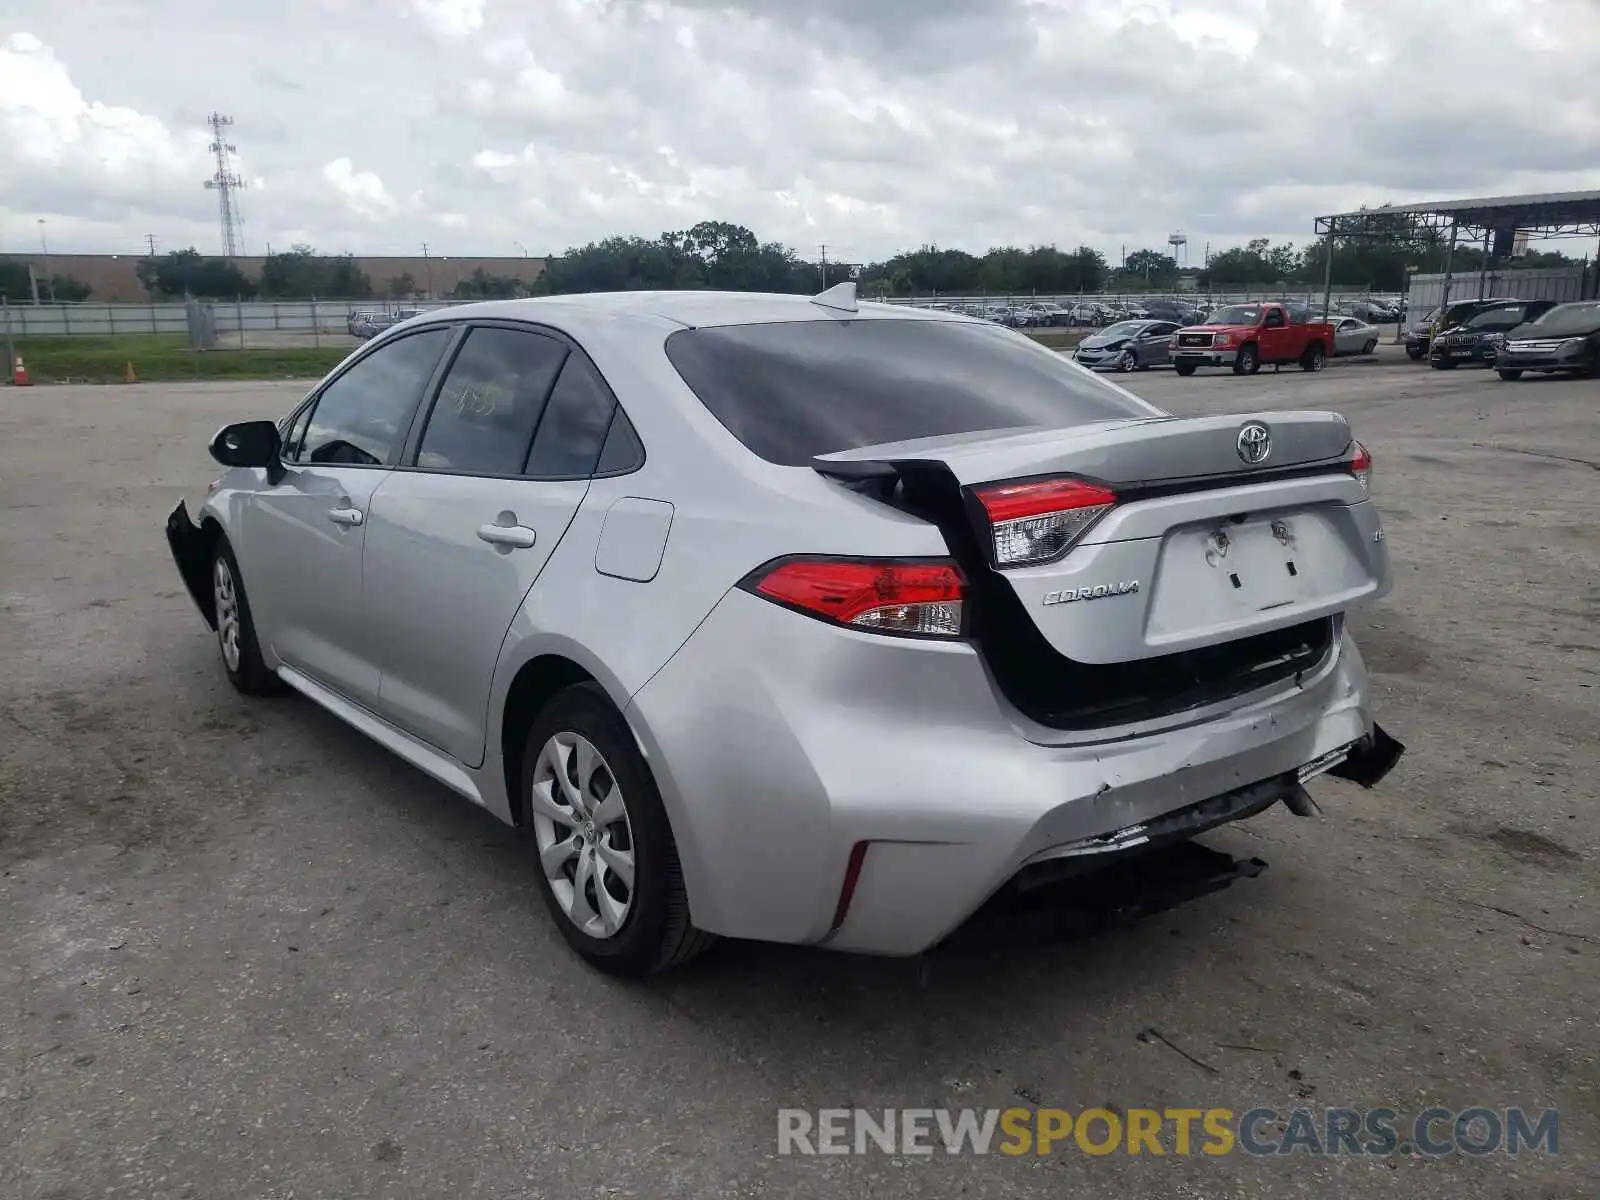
<point x="1098" y="592"/>
<point x="1254" y="443"/>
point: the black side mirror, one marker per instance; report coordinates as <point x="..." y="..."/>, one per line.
<point x="250" y="444"/>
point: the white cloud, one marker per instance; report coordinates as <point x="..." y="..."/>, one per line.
<point x="450" y="18"/>
<point x="874" y="126"/>
<point x="362" y="191"/>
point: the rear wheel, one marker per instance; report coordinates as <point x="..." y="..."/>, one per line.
<point x="608" y="866"/>
<point x="1313" y="358"/>
<point x="1510" y="376"/>
<point x="1183" y="368"/>
<point x="1248" y="361"/>
<point x="1371" y="347"/>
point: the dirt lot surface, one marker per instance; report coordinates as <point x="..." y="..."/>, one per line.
<point x="246" y="953"/>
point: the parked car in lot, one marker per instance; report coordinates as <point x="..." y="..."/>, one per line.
<point x="1244" y="336"/>
<point x="1565" y="338"/>
<point x="369" y="323"/>
<point x="1128" y="345"/>
<point x="1476" y="341"/>
<point x="791" y="619"/>
<point x="1352" y="335"/>
<point x="1420" y="333"/>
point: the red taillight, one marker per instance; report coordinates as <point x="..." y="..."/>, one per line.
<point x="882" y="595"/>
<point x="1361" y="467"/>
<point x="1039" y="520"/>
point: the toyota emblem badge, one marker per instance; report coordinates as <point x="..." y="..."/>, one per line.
<point x="1255" y="442"/>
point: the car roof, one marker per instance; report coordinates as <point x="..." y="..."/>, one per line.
<point x="687" y="309"/>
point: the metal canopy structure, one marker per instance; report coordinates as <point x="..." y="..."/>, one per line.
<point x="1545" y="215"/>
<point x="1501" y="222"/>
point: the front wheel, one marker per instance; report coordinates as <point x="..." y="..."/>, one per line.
<point x="1127" y="362"/>
<point x="608" y="866"/>
<point x="1511" y="375"/>
<point x="1183" y="368"/>
<point x="1313" y="358"/>
<point x="1414" y="353"/>
<point x="1248" y="361"/>
<point x="236" y="627"/>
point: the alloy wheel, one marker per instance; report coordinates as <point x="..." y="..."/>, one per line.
<point x="585" y="840"/>
<point x="225" y="595"/>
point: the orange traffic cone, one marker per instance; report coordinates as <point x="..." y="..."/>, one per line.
<point x="19" y="375"/>
<point x="128" y="376"/>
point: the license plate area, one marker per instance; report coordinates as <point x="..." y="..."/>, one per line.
<point x="1237" y="576"/>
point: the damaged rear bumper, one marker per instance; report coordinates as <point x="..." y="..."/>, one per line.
<point x="191" y="552"/>
<point x="1364" y="762"/>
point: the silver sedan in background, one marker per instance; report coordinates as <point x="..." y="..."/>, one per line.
<point x="1352" y="335"/>
<point x="1129" y="345"/>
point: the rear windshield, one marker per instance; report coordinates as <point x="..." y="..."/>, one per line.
<point x="795" y="389"/>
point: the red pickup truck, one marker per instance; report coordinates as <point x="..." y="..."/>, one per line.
<point x="1244" y="336"/>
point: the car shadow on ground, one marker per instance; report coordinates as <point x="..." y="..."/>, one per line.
<point x="1098" y="928"/>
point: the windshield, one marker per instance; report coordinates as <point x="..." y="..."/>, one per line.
<point x="793" y="389"/>
<point x="1237" y="314"/>
<point x="1570" y="320"/>
<point x="1122" y="329"/>
<point x="1502" y="316"/>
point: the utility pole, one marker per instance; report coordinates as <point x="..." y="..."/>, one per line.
<point x="427" y="266"/>
<point x="150" y="239"/>
<point x="824" y="249"/>
<point x="224" y="181"/>
<point x="49" y="279"/>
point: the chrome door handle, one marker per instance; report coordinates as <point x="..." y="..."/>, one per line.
<point x="508" y="537"/>
<point x="348" y="517"/>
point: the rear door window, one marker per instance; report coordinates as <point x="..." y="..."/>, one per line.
<point x="795" y="389"/>
<point x="490" y="402"/>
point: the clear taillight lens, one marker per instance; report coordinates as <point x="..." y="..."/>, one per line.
<point x="915" y="598"/>
<point x="1039" y="520"/>
<point x="1361" y="468"/>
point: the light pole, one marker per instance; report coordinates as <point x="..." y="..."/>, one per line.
<point x="45" y="245"/>
<point x="521" y="247"/>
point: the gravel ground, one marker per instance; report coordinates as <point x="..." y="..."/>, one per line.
<point x="246" y="953"/>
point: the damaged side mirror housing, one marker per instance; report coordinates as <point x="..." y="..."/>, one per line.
<point x="249" y="444"/>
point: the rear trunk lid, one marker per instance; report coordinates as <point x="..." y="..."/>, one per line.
<point x="1211" y="535"/>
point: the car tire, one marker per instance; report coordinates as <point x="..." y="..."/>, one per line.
<point x="1415" y="353"/>
<point x="1371" y="347"/>
<point x="1183" y="368"/>
<point x="1247" y="361"/>
<point x="1127" y="362"/>
<point x="654" y="931"/>
<point x="1442" y="364"/>
<point x="1511" y="375"/>
<point x="1314" y="358"/>
<point x="236" y="627"/>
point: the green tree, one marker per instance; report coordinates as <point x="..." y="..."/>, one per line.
<point x="301" y="272"/>
<point x="484" y="286"/>
<point x="402" y="286"/>
<point x="1154" y="267"/>
<point x="188" y="273"/>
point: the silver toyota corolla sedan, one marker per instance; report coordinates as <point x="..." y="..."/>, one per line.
<point x="796" y="619"/>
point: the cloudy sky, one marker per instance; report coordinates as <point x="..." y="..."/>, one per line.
<point x="489" y="126"/>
